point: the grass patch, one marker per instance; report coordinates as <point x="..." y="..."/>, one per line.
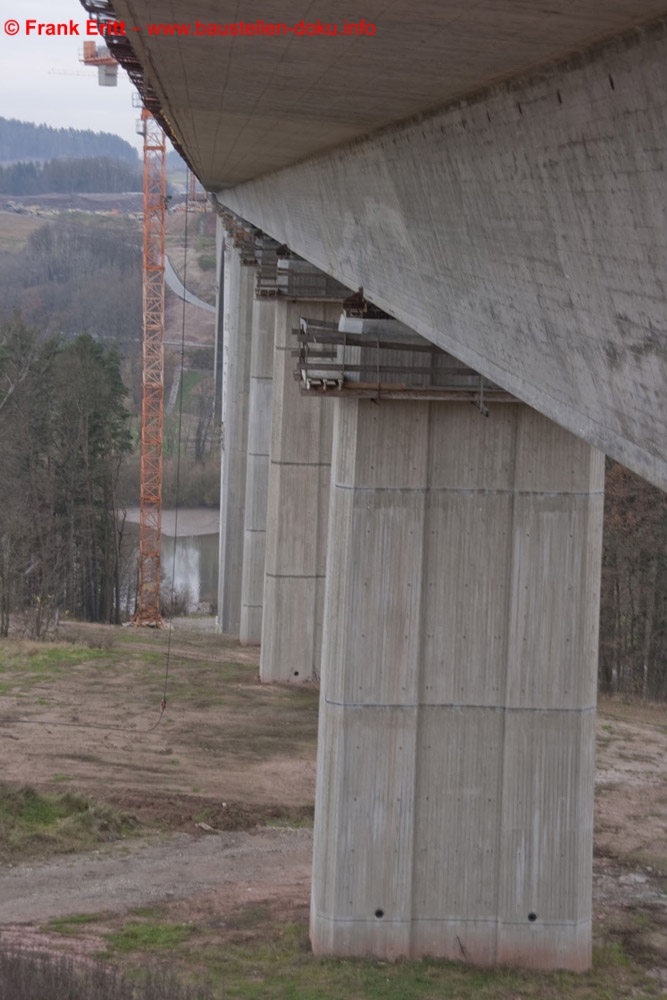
<point x="190" y="381"/>
<point x="148" y="936"/>
<point x="35" y="825"/>
<point x="238" y="816"/>
<point x="149" y="912"/>
<point x="34" y="662"/>
<point x="73" y="923"/>
<point x="84" y="758"/>
<point x="279" y="722"/>
<point x="609" y="955"/>
<point x="254" y="954"/>
<point x="293" y="819"/>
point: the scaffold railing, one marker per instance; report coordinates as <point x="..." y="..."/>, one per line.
<point x="391" y="365"/>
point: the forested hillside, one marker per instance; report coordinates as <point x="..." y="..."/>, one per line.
<point x="26" y="141"/>
<point x="75" y="176"/>
<point x="64" y="433"/>
<point x="77" y="274"/>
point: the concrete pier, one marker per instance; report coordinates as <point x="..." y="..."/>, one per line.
<point x="454" y="812"/>
<point x="298" y="509"/>
<point x="257" y="471"/>
<point x="238" y="310"/>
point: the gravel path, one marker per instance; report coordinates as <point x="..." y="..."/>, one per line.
<point x="142" y="874"/>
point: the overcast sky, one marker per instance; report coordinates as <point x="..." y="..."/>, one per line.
<point x="35" y="81"/>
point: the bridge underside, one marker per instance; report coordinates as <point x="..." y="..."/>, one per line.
<point x="494" y="179"/>
<point x="520" y="227"/>
<point x="245" y="106"/>
<point x="523" y="232"/>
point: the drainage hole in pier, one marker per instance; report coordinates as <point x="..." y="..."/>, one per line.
<point x="379" y="914"/>
<point x="296" y="673"/>
<point x="532" y="917"/>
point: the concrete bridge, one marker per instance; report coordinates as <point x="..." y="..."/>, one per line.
<point x="492" y="174"/>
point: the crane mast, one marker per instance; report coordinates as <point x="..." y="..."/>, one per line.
<point x="152" y="407"/>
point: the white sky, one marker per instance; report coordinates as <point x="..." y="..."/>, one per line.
<point x="33" y="89"/>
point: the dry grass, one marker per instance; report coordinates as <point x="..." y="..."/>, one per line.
<point x="15" y="229"/>
<point x="36" y="976"/>
<point x="623" y="708"/>
<point x="34" y="825"/>
<point x="86" y="710"/>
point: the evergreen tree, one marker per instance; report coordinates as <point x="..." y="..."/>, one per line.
<point x="98" y="174"/>
<point x="27" y="141"/>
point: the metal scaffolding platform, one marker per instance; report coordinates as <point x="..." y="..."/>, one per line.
<point x="281" y="274"/>
<point x="387" y="365"/>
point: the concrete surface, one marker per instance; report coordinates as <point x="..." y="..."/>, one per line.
<point x="257" y="474"/>
<point x="238" y="302"/>
<point x="454" y="809"/>
<point x="298" y="510"/>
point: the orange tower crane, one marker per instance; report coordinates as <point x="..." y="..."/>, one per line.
<point x="107" y="67"/>
<point x="152" y="407"/>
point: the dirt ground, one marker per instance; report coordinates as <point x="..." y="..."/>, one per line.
<point x="630" y="862"/>
<point x="90" y="726"/>
<point x="231" y="756"/>
<point x="631" y="783"/>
